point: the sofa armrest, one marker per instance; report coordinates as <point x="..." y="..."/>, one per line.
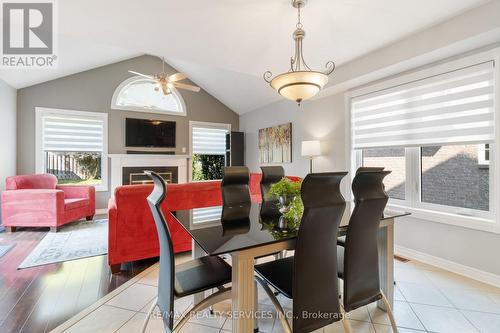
<point x="34" y="202"/>
<point x="77" y="191"/>
<point x="80" y="191"/>
<point x="34" y="194"/>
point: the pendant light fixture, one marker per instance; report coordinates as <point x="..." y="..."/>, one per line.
<point x="300" y="82"/>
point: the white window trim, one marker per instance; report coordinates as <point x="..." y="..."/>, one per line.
<point x="39" y="156"/>
<point x="175" y="93"/>
<point x="192" y="124"/>
<point x="484" y="221"/>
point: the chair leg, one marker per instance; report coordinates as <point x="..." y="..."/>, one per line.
<point x="277" y="305"/>
<point x="148" y="315"/>
<point x="389" y="313"/>
<point x="345" y="320"/>
<point x="215" y="298"/>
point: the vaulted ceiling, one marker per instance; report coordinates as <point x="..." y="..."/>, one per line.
<point x="224" y="46"/>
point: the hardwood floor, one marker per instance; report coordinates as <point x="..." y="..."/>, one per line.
<point x="39" y="299"/>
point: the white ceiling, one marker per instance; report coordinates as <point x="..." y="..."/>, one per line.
<point x="225" y="45"/>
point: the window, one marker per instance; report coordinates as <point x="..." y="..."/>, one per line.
<point x="144" y="95"/>
<point x="435" y="131"/>
<point x="484" y="154"/>
<point x="392" y="159"/>
<point x="72" y="145"/>
<point x="452" y="176"/>
<point x="208" y="149"/>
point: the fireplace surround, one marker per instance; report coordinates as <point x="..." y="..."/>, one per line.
<point x="129" y="167"/>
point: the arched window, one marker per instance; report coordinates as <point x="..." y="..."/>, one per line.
<point x="142" y="94"/>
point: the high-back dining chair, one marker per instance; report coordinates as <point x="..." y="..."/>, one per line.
<point x="341" y="239"/>
<point x="309" y="277"/>
<point x="270" y="175"/>
<point x="369" y="169"/>
<point x="235" y="190"/>
<point x="358" y="259"/>
<point x="185" y="279"/>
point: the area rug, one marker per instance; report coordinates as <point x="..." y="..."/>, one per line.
<point x="74" y="241"/>
<point x="4" y="249"/>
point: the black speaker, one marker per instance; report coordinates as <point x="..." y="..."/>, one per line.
<point x="235" y="149"/>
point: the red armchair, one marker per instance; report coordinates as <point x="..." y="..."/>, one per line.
<point x="37" y="201"/>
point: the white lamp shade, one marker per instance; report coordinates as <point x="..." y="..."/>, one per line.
<point x="311" y="148"/>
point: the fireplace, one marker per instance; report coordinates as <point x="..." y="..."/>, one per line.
<point x="136" y="176"/>
<point x="173" y="167"/>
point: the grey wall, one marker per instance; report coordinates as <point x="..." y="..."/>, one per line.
<point x="325" y="119"/>
<point x="321" y="120"/>
<point x="7" y="132"/>
<point x="92" y="91"/>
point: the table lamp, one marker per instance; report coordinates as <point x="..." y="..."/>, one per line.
<point x="311" y="149"/>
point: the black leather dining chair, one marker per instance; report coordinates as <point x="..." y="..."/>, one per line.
<point x="369" y="169"/>
<point x="341" y="239"/>
<point x="185" y="279"/>
<point x="235" y="190"/>
<point x="358" y="259"/>
<point x="309" y="277"/>
<point x="270" y="175"/>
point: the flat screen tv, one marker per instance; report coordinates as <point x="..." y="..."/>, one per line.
<point x="149" y="133"/>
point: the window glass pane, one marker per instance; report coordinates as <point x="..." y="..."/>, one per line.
<point x="74" y="168"/>
<point x="453" y="176"/>
<point x="144" y="93"/>
<point x="208" y="167"/>
<point x="392" y="159"/>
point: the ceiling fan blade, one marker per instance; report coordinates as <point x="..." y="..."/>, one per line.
<point x="176" y="77"/>
<point x="143" y="75"/>
<point x="186" y="86"/>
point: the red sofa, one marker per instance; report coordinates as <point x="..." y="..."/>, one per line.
<point x="132" y="233"/>
<point x="37" y="201"/>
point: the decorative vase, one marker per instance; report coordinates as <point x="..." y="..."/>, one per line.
<point x="284" y="204"/>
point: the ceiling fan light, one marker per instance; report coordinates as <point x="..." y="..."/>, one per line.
<point x="299" y="86"/>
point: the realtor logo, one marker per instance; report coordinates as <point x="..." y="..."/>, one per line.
<point x="28" y="34"/>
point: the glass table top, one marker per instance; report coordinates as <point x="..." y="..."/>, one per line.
<point x="219" y="230"/>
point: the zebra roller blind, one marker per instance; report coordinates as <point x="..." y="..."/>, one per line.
<point x="209" y="140"/>
<point x="449" y="108"/>
<point x="73" y="133"/>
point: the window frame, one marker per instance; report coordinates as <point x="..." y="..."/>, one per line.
<point x="468" y="218"/>
<point x="39" y="153"/>
<point x="192" y="124"/>
<point x="175" y="93"/>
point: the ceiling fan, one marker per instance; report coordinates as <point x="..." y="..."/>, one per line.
<point x="167" y="82"/>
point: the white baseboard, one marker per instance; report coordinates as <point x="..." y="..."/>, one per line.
<point x="101" y="211"/>
<point x="470" y="272"/>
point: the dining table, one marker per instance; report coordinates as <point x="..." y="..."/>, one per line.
<point x="250" y="231"/>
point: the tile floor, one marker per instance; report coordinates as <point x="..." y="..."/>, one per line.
<point x="427" y="299"/>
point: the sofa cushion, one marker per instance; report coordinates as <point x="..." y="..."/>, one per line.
<point x="75" y="203"/>
<point x="31" y="182"/>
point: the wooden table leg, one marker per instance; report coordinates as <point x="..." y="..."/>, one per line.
<point x="386" y="262"/>
<point x="243" y="289"/>
<point x="197" y="252"/>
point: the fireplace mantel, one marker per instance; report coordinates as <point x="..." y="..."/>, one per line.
<point x="119" y="161"/>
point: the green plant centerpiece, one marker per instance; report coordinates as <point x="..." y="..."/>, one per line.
<point x="289" y="202"/>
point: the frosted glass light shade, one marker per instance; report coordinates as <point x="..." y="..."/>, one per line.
<point x="311" y="148"/>
<point x="299" y="86"/>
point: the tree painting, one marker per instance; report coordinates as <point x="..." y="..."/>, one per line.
<point x="275" y="144"/>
